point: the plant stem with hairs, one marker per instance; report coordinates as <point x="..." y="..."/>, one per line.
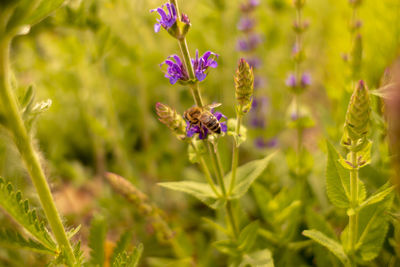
<point x="15" y="124"/>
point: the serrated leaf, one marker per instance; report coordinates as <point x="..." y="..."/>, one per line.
<point x="97" y="237"/>
<point x="246" y="175"/>
<point x="11" y="201"/>
<point x="248" y="236"/>
<point x="12" y="238"/>
<point x="380" y="195"/>
<point x="201" y="191"/>
<point x="260" y="258"/>
<point x="328" y="243"/>
<point x="120" y="247"/>
<point x="372" y="228"/>
<point x="125" y="259"/>
<point x="337" y="186"/>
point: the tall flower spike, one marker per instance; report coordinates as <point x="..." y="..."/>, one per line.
<point x="174" y="121"/>
<point x="358" y="114"/>
<point x="244" y="83"/>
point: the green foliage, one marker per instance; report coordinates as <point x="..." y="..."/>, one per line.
<point x="247" y="174"/>
<point x="248" y="236"/>
<point x="372" y="228"/>
<point x="329" y="243"/>
<point x="14" y="239"/>
<point x="338" y="181"/>
<point x="97" y="238"/>
<point x="201" y="191"/>
<point x="18" y="208"/>
<point x="258" y="258"/>
<point x="125" y="259"/>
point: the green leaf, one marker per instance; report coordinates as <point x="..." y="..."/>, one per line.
<point x="97" y="237"/>
<point x="246" y="175"/>
<point x="45" y="8"/>
<point x="125" y="259"/>
<point x="260" y="258"/>
<point x="337" y="180"/>
<point x="12" y="238"/>
<point x="215" y="225"/>
<point x="319" y="223"/>
<point x="329" y="243"/>
<point x="248" y="236"/>
<point x="227" y="247"/>
<point x="380" y="195"/>
<point x="372" y="228"/>
<point x="122" y="244"/>
<point x="11" y="201"/>
<point x="201" y="191"/>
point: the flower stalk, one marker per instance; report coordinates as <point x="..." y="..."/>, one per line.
<point x="25" y="147"/>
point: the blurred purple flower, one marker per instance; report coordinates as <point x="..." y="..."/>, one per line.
<point x="254" y="62"/>
<point x="259" y="82"/>
<point x="201" y="64"/>
<point x="291" y="81"/>
<point x="249" y="5"/>
<point x="167" y="20"/>
<point x="257" y="122"/>
<point x="203" y="133"/>
<point x="175" y="70"/>
<point x="250" y="43"/>
<point x="305" y="80"/>
<point x="262" y="143"/>
<point x="246" y="24"/>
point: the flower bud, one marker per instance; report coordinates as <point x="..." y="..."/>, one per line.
<point x="174" y="121"/>
<point x="244" y="83"/>
<point x="358" y="113"/>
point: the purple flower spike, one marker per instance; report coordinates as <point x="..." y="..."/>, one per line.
<point x="175" y="70"/>
<point x="249" y="5"/>
<point x="250" y="43"/>
<point x="246" y="24"/>
<point x="201" y="64"/>
<point x="203" y="132"/>
<point x="166" y="20"/>
<point x="291" y="81"/>
<point x="305" y="80"/>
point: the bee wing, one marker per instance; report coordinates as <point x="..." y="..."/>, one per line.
<point x="213" y="105"/>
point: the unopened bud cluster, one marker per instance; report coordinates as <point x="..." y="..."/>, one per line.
<point x="173" y="120"/>
<point x="244" y="83"/>
<point x="357" y="116"/>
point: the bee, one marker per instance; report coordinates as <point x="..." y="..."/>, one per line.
<point x="202" y="116"/>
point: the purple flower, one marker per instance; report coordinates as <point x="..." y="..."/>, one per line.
<point x="250" y="43"/>
<point x="254" y="62"/>
<point x="167" y="20"/>
<point x="249" y="5"/>
<point x="262" y="143"/>
<point x="203" y="131"/>
<point x="200" y="65"/>
<point x="291" y="81"/>
<point x="175" y="70"/>
<point x="246" y="24"/>
<point x="305" y="80"/>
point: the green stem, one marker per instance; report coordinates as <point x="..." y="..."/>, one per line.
<point x="26" y="149"/>
<point x="235" y="153"/>
<point x="353" y="218"/>
<point x="206" y="171"/>
<point x="199" y="102"/>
